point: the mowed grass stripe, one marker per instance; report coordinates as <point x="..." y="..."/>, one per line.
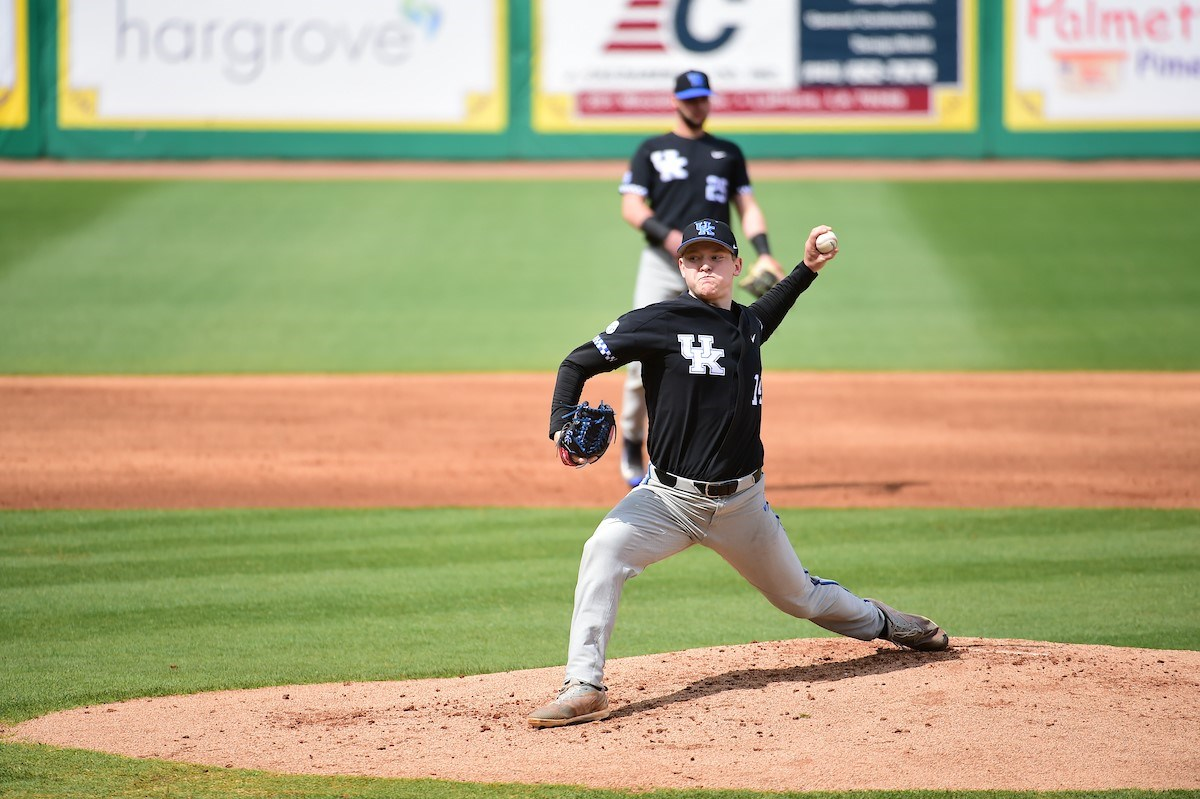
<point x="102" y="606"/>
<point x="327" y="276"/>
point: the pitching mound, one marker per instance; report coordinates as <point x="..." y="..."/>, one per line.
<point x="805" y="714"/>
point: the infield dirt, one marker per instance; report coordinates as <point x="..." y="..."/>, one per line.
<point x="832" y="440"/>
<point x="806" y="714"/>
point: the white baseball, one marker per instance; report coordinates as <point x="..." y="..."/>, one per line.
<point x="827" y="242"/>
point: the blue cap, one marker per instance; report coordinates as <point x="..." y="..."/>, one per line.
<point x="692" y="84"/>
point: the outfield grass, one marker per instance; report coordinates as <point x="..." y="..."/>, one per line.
<point x="201" y="277"/>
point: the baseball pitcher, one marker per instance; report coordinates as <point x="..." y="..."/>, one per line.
<point x="702" y="370"/>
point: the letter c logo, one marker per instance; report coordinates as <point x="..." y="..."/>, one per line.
<point x="689" y="41"/>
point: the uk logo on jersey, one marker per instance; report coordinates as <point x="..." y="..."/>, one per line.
<point x="704" y="356"/>
<point x="669" y="164"/>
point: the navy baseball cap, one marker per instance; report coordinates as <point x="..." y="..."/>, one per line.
<point x="708" y="230"/>
<point x="692" y="84"/>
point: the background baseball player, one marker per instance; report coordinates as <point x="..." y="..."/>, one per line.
<point x="673" y="179"/>
<point x="702" y="369"/>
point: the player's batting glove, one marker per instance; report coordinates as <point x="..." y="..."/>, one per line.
<point x="586" y="434"/>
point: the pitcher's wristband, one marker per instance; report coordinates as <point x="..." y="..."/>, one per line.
<point x="760" y="244"/>
<point x="655" y="230"/>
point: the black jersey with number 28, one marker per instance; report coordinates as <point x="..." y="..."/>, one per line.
<point x="703" y="375"/>
<point x="687" y="179"/>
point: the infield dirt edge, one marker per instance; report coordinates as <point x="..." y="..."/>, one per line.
<point x="800" y="715"/>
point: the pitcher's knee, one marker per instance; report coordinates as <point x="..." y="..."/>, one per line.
<point x="604" y="555"/>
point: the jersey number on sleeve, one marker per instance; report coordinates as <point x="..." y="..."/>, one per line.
<point x="757" y="398"/>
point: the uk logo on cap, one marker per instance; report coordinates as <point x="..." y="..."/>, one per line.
<point x="712" y="230"/>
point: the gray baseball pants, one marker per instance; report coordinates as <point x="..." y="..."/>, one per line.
<point x="654" y="522"/>
<point x="658" y="279"/>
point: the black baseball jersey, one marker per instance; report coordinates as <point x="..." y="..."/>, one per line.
<point x="702" y="370"/>
<point x="687" y="179"/>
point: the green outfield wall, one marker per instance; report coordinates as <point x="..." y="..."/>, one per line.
<point x="556" y="79"/>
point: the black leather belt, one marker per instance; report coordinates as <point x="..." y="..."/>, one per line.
<point x="707" y="489"/>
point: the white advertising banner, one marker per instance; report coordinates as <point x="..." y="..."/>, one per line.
<point x="862" y="65"/>
<point x="284" y="64"/>
<point x="1102" y="64"/>
<point x="14" y="58"/>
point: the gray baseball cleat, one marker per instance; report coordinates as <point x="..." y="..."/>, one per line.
<point x="911" y="630"/>
<point x="577" y="702"/>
